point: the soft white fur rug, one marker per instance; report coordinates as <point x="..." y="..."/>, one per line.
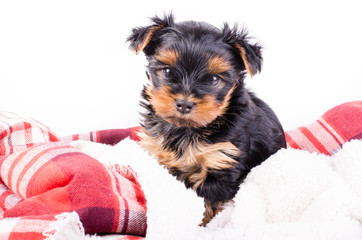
<point x="292" y="195"/>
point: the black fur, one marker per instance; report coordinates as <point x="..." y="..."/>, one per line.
<point x="248" y="122"/>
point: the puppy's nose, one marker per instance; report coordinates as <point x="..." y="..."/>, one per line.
<point x="184" y="106"/>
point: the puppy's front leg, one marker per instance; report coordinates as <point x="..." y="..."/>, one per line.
<point x="221" y="180"/>
<point x="218" y="189"/>
<point x="211" y="209"/>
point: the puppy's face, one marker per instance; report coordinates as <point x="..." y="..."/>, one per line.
<point x="193" y="68"/>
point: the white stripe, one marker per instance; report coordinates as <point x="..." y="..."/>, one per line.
<point x="332" y="130"/>
<point x="38" y="136"/>
<point x="23" y="162"/>
<point x="32" y="225"/>
<point x="11" y="201"/>
<point x="67" y="139"/>
<point x="323" y="136"/>
<point x="84" y="137"/>
<point x="6" y="225"/>
<point x="303" y="142"/>
<point x="18" y="138"/>
<point x="94" y="137"/>
<point x="6" y="165"/>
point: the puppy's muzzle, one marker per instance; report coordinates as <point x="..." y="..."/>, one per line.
<point x="184" y="106"/>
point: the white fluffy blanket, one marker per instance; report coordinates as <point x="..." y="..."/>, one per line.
<point x="292" y="195"/>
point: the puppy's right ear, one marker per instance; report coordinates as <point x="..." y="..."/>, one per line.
<point x="250" y="53"/>
<point x="145" y="38"/>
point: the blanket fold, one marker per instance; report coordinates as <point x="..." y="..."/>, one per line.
<point x="55" y="177"/>
<point x="42" y="175"/>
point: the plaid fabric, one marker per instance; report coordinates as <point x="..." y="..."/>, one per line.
<point x="19" y="133"/>
<point x="327" y="135"/>
<point x="42" y="177"/>
<point x="105" y="200"/>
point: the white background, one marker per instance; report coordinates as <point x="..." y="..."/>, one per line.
<point x="66" y="62"/>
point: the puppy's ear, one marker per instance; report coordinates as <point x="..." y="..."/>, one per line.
<point x="145" y="38"/>
<point x="250" y="53"/>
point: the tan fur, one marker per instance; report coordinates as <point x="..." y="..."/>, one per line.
<point x="218" y="65"/>
<point x="206" y="110"/>
<point x="196" y="162"/>
<point x="147" y="39"/>
<point x="168" y="57"/>
<point x="162" y="100"/>
<point x="154" y="146"/>
<point x="211" y="209"/>
<point x="243" y="56"/>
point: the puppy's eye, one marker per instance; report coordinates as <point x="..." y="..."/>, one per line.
<point x="216" y="80"/>
<point x="166" y="73"/>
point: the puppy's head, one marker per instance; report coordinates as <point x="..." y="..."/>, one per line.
<point x="193" y="68"/>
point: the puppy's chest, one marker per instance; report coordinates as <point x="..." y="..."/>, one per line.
<point x="194" y="159"/>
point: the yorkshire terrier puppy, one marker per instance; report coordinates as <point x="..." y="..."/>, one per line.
<point x="200" y="121"/>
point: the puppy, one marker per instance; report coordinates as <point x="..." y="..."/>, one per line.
<point x="200" y="121"/>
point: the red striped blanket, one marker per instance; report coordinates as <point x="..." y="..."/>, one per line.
<point x="42" y="177"/>
<point x="328" y="133"/>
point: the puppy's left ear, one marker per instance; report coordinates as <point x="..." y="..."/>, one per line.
<point x="145" y="38"/>
<point x="250" y="53"/>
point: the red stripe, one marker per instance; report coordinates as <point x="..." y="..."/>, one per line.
<point x="12" y="167"/>
<point x="26" y="235"/>
<point x="75" y="137"/>
<point x="53" y="138"/>
<point x="291" y="141"/>
<point x="330" y="133"/>
<point x="2" y="147"/>
<point x="308" y="134"/>
<point x="3" y="133"/>
<point x="98" y="137"/>
<point x="134" y="133"/>
<point x="28" y="135"/>
<point x="27" y="125"/>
